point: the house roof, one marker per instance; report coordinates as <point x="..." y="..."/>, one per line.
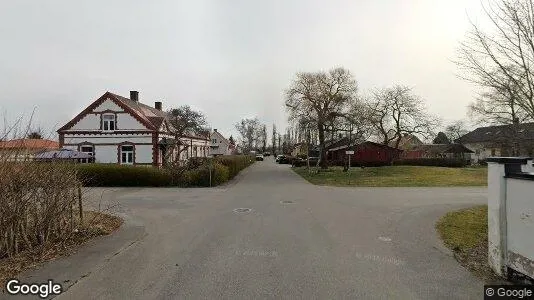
<point x="62" y="154"/>
<point x="220" y="135"/>
<point x="442" y="148"/>
<point x="407" y="141"/>
<point x="152" y="115"/>
<point x="149" y="116"/>
<point x="500" y="133"/>
<point x="29" y="144"/>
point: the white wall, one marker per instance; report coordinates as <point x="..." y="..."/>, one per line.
<point x="510" y="220"/>
<point x="88" y="122"/>
<point x="106" y="154"/>
<point x="127" y="122"/>
<point x="143" y="154"/>
<point x="108" y="105"/>
<point x="99" y="139"/>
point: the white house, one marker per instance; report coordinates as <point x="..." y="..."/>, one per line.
<point x="219" y="145"/>
<point x="115" y="129"/>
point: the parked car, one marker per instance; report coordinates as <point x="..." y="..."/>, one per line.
<point x="302" y="162"/>
<point x="259" y="157"/>
<point x="267" y="154"/>
<point x="278" y="157"/>
<point x="284" y="159"/>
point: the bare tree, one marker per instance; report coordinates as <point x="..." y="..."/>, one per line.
<point x="500" y="58"/>
<point x="321" y="97"/>
<point x="263" y="137"/>
<point x="455" y="130"/>
<point x="498" y="105"/>
<point x="185" y="120"/>
<point x="248" y="129"/>
<point x="394" y="112"/>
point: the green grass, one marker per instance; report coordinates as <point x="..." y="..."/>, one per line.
<point x="397" y="176"/>
<point x="464" y="229"/>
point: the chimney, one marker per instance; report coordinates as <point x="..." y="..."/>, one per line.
<point x="134" y="96"/>
<point x="157" y="105"/>
<point x="215" y="130"/>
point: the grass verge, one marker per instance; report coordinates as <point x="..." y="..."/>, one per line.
<point x="95" y="224"/>
<point x="465" y="232"/>
<point x="397" y="176"/>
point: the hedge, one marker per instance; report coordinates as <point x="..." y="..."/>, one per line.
<point x="195" y="173"/>
<point x="121" y="175"/>
<point x="434" y="162"/>
<point x="200" y="177"/>
<point x="235" y="163"/>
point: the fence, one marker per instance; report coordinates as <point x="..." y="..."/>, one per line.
<point x="511" y="215"/>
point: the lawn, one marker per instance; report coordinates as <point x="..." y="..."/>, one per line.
<point x="465" y="232"/>
<point x="397" y="176"/>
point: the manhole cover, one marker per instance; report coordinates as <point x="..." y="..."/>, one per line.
<point x="287" y="202"/>
<point x="242" y="210"/>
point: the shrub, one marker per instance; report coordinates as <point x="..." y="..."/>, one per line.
<point x="200" y="176"/>
<point x="121" y="175"/>
<point x="36" y="205"/>
<point x="235" y="163"/>
<point x="434" y="162"/>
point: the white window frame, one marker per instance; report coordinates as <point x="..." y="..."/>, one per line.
<point x="130" y="155"/>
<point x="109" y="122"/>
<point x="87" y="160"/>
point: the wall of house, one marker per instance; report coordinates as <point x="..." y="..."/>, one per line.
<point x="108" y="105"/>
<point x="88" y="122"/>
<point x="482" y="151"/>
<point x="106" y="146"/>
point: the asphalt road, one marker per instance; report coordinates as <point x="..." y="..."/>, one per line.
<point x="328" y="243"/>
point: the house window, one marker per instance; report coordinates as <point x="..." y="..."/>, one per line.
<point x="214" y="141"/>
<point x="127" y="154"/>
<point x="108" y="122"/>
<point x="89" y="149"/>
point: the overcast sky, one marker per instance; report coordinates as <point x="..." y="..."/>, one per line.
<point x="229" y="59"/>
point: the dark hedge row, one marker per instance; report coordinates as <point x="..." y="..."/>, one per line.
<point x="433" y="162"/>
<point x="195" y="174"/>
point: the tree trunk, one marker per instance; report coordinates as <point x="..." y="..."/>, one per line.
<point x="322" y="152"/>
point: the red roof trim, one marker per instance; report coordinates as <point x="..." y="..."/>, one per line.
<point x="99" y="101"/>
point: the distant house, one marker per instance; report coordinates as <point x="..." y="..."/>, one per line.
<point x="503" y="140"/>
<point x="116" y="129"/>
<point x="303" y="149"/>
<point x="25" y="149"/>
<point x="219" y="145"/>
<point x="365" y="153"/>
<point x="407" y="142"/>
<point x="457" y="151"/>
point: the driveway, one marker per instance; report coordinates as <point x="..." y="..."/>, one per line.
<point x="299" y="241"/>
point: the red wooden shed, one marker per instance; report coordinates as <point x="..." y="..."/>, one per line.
<point x="366" y="153"/>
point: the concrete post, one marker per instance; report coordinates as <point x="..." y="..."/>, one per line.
<point x="498" y="168"/>
<point x="497" y="217"/>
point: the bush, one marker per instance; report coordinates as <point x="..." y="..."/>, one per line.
<point x="36" y="205"/>
<point x="235" y="163"/>
<point x="200" y="176"/>
<point x="121" y="175"/>
<point x="433" y="162"/>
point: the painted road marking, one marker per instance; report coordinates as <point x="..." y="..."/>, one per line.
<point x="384" y="239"/>
<point x="260" y="253"/>
<point x="383" y="259"/>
